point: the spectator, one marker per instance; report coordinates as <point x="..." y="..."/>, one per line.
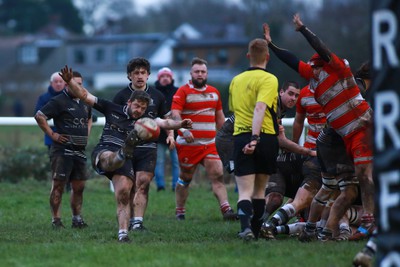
<point x="165" y="84"/>
<point x="55" y="88"/>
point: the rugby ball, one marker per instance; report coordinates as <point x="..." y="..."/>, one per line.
<point x="147" y="129"/>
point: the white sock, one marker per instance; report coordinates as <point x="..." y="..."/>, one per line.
<point x="122" y="233"/>
<point x="137" y="220"/>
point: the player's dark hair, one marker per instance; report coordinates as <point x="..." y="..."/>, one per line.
<point x="199" y="61"/>
<point x="286" y="85"/>
<point x="141" y="96"/>
<point x="76" y="74"/>
<point x="137" y="63"/>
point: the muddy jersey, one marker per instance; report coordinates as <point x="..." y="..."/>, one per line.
<point x="71" y="118"/>
<point x="118" y="123"/>
<point x="157" y="106"/>
<point x="337" y="92"/>
<point x="316" y="118"/>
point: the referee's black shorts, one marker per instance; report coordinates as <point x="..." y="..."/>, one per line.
<point x="262" y="161"/>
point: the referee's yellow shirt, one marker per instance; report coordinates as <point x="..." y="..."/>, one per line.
<point x="248" y="88"/>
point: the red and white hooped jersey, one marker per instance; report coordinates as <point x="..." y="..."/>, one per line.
<point x="306" y="104"/>
<point x="199" y="105"/>
<point x="337" y="92"/>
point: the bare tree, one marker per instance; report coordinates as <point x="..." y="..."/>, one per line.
<point x="100" y="14"/>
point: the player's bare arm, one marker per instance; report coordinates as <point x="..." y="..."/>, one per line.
<point x="170" y="133"/>
<point x="176" y="115"/>
<point x="298" y="126"/>
<point x="41" y="120"/>
<point x="174" y="124"/>
<point x="291" y="146"/>
<point x="77" y="89"/>
<point x="170" y="142"/>
<point x="258" y="116"/>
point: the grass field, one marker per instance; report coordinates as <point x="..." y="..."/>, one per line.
<point x="27" y="238"/>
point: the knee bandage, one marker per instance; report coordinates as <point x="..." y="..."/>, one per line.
<point x="182" y="182"/>
<point x="329" y="183"/>
<point x="348" y="181"/>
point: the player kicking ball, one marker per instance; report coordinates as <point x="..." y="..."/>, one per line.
<point x="112" y="156"/>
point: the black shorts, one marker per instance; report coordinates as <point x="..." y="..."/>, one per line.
<point x="67" y="168"/>
<point x="262" y="161"/>
<point x="332" y="154"/>
<point x="144" y="159"/>
<point x="288" y="177"/>
<point x="126" y="169"/>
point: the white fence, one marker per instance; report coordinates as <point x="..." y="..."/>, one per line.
<point x="26" y="121"/>
<point x="21" y="121"/>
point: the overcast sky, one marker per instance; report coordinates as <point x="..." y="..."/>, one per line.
<point x="143" y="4"/>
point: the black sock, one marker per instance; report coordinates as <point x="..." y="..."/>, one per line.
<point x="245" y="212"/>
<point x="286" y="229"/>
<point x="273" y="222"/>
<point x="257" y="220"/>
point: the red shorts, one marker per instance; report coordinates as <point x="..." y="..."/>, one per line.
<point x="190" y="155"/>
<point x="359" y="148"/>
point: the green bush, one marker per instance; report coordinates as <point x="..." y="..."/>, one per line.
<point x="24" y="163"/>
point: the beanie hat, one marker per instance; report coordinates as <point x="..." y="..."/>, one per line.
<point x="165" y="70"/>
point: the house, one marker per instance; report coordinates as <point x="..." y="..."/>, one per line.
<point x="102" y="59"/>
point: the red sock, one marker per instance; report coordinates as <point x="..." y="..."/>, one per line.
<point x="225" y="207"/>
<point x="180" y="211"/>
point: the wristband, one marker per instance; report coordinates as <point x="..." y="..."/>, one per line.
<point x="186" y="133"/>
<point x="255" y="137"/>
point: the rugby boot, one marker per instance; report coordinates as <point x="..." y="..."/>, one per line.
<point x="180" y="217"/>
<point x="230" y="215"/>
<point x="131" y="141"/>
<point x="306" y="236"/>
<point x="123" y="237"/>
<point x="344" y="234"/>
<point x="268" y="232"/>
<point x="137" y="226"/>
<point x="79" y="224"/>
<point x="246" y="235"/>
<point x="57" y="224"/>
<point x="364" y="258"/>
<point x="325" y="236"/>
